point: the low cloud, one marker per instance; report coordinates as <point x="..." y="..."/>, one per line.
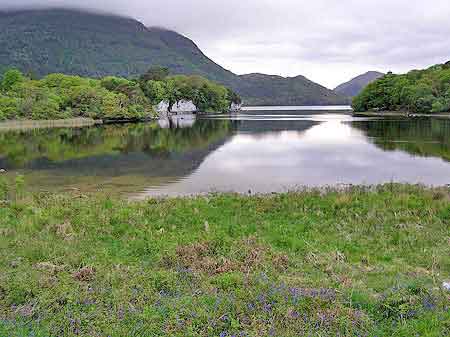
<point x="325" y="40"/>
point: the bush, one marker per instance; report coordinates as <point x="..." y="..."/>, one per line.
<point x="11" y="78"/>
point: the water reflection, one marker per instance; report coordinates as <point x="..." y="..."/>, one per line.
<point x="258" y="151"/>
<point x="424" y="137"/>
<point x="115" y="158"/>
<point x="328" y="153"/>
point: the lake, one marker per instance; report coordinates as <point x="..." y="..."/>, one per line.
<point x="264" y="149"/>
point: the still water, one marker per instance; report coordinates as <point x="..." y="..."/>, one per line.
<point x="257" y="150"/>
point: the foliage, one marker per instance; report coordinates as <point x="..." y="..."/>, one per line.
<point x="10" y="79"/>
<point x="420" y="91"/>
<point x="58" y="96"/>
<point x="357" y="262"/>
<point x="206" y="95"/>
<point x="155" y="74"/>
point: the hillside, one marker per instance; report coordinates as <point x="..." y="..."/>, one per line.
<point x="353" y="87"/>
<point x="419" y="91"/>
<point x="40" y="42"/>
<point x="260" y="89"/>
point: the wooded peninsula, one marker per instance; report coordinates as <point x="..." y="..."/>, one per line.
<point x="59" y="96"/>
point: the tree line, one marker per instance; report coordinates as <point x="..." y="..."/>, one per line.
<point x="419" y="91"/>
<point x="59" y="96"/>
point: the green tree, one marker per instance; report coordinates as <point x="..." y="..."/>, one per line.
<point x="155" y="91"/>
<point x="11" y="78"/>
<point x="155" y="74"/>
<point x="8" y="107"/>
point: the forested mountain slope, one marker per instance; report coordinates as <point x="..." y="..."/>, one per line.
<point x="40" y="42"/>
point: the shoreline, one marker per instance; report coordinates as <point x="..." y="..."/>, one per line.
<point x="403" y="114"/>
<point x="29" y="124"/>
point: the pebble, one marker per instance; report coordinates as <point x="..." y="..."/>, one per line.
<point x="446" y="285"/>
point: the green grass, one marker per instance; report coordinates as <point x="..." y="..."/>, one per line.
<point x="364" y="262"/>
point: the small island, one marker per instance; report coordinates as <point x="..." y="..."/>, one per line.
<point x="110" y="99"/>
<point x="417" y="92"/>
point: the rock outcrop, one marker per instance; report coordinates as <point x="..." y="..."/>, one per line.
<point x="180" y="107"/>
<point x="184" y="107"/>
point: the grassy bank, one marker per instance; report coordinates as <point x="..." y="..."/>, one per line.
<point x="350" y="263"/>
<point x="21" y="125"/>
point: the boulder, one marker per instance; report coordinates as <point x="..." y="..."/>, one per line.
<point x="162" y="108"/>
<point x="184" y="107"/>
<point x="180" y="107"/>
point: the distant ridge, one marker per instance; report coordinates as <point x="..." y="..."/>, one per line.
<point x="353" y="87"/>
<point x="40" y="42"/>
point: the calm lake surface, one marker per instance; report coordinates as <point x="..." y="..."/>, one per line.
<point x="257" y="150"/>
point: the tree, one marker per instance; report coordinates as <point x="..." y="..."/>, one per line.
<point x="8" y="107"/>
<point x="155" y="74"/>
<point x="155" y="91"/>
<point x="11" y="78"/>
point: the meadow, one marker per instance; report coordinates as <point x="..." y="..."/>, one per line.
<point x="364" y="261"/>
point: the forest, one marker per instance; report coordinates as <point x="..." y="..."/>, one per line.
<point x="59" y="96"/>
<point x="419" y="91"/>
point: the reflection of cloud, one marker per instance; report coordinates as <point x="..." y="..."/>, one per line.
<point x="334" y="132"/>
<point x="327" y="154"/>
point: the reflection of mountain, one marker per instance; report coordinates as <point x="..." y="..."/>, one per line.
<point x="113" y="150"/>
<point x="421" y="137"/>
<point x="260" y="126"/>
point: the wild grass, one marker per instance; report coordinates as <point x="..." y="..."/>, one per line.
<point x="360" y="262"/>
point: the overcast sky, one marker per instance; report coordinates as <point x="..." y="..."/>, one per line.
<point x="328" y="41"/>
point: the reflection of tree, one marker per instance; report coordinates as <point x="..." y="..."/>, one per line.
<point x="18" y="149"/>
<point x="422" y="137"/>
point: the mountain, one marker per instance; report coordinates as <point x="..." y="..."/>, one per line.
<point x="260" y="89"/>
<point x="353" y="87"/>
<point x="40" y="42"/>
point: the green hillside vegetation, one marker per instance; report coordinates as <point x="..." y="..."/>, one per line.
<point x="41" y="42"/>
<point x="261" y="89"/>
<point x="419" y="91"/>
<point x="59" y="96"/>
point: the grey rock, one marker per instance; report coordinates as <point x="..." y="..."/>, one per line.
<point x="446" y="285"/>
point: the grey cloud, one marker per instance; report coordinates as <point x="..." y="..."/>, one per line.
<point x="326" y="40"/>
